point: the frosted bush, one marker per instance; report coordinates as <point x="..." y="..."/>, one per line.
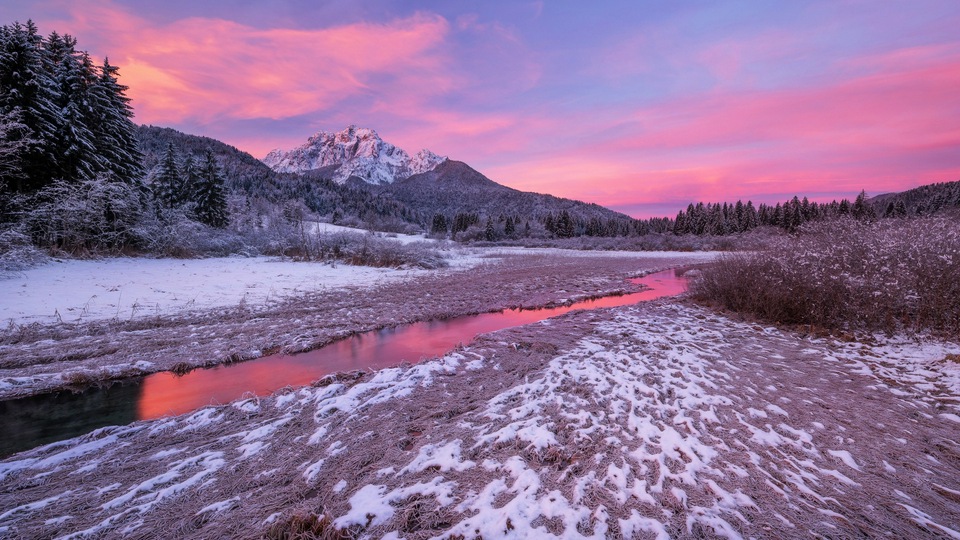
<point x="844" y="274"/>
<point x="17" y="252"/>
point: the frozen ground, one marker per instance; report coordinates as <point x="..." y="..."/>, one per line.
<point x="128" y="317"/>
<point x="661" y="420"/>
<point x="125" y="288"/>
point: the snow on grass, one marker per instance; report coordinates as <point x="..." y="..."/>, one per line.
<point x="30" y="507"/>
<point x="652" y="421"/>
<point x="443" y="457"/>
<point x="691" y="256"/>
<point x="372" y="505"/>
<point x="845" y="457"/>
<point x="330" y="228"/>
<point x="907" y="366"/>
<point x="145" y="492"/>
<point x="125" y="288"/>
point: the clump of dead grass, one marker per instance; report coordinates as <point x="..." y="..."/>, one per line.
<point x="306" y="526"/>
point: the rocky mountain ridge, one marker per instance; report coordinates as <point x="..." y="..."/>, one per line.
<point x="353" y="152"/>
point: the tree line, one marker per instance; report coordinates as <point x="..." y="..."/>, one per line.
<point x="62" y="117"/>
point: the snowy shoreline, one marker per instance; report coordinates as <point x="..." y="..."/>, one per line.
<point x="662" y="419"/>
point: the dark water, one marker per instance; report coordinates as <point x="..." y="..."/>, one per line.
<point x="30" y="422"/>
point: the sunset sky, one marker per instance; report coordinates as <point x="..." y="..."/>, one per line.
<point x="639" y="106"/>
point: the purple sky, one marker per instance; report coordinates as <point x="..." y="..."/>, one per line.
<point x="639" y="106"/>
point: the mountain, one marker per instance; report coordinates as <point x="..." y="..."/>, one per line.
<point x="425" y="186"/>
<point x="247" y="176"/>
<point x="453" y="186"/>
<point x="926" y="199"/>
<point x="353" y="152"/>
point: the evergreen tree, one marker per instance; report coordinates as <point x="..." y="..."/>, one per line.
<point x="490" y="233"/>
<point x="861" y="209"/>
<point x="26" y="93"/>
<point x="900" y="209"/>
<point x="114" y="131"/>
<point x="14" y="139"/>
<point x="167" y="184"/>
<point x="564" y="225"/>
<point x="439" y="225"/>
<point x="190" y="181"/>
<point x="209" y="196"/>
<point x="74" y="142"/>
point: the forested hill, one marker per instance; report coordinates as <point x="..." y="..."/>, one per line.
<point x="453" y="186"/>
<point x="455" y="189"/>
<point x="922" y="200"/>
<point x="247" y="176"/>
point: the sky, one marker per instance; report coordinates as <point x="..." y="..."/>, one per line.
<point x="641" y="106"/>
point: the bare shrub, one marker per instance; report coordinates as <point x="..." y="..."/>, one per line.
<point x="890" y="275"/>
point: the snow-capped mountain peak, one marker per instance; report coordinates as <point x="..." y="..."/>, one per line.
<point x="356" y="152"/>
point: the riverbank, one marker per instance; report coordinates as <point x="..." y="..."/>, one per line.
<point x="662" y="419"/>
<point x="38" y="358"/>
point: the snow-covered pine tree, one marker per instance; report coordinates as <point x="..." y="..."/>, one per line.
<point x="74" y="75"/>
<point x="27" y="94"/>
<point x="209" y="194"/>
<point x="190" y="180"/>
<point x="167" y="184"/>
<point x="114" y="133"/>
<point x="14" y="142"/>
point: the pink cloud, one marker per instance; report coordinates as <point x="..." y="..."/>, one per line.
<point x="881" y="129"/>
<point x="203" y="69"/>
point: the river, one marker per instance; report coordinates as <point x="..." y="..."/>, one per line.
<point x="33" y="421"/>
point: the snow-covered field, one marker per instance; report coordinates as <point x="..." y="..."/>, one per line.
<point x="660" y="420"/>
<point x="124" y="288"/>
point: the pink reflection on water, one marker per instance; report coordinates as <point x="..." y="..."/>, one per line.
<point x="167" y="394"/>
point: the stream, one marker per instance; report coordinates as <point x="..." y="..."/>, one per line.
<point x="30" y="422"/>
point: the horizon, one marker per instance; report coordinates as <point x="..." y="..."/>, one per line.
<point x="647" y="109"/>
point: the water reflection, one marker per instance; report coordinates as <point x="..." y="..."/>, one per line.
<point x="41" y="419"/>
<point x="29" y="422"/>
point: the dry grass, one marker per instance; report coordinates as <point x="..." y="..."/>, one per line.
<point x="845" y="275"/>
<point x="307" y="526"/>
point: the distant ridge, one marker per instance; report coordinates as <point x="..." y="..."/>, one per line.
<point x="453" y="186"/>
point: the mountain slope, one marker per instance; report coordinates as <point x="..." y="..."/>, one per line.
<point x="453" y="186"/>
<point x="926" y="199"/>
<point x="353" y="152"/>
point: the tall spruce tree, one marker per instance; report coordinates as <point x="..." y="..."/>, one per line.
<point x="189" y="180"/>
<point x="209" y="194"/>
<point x="27" y="94"/>
<point x="74" y="143"/>
<point x="168" y="184"/>
<point x="115" y="132"/>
